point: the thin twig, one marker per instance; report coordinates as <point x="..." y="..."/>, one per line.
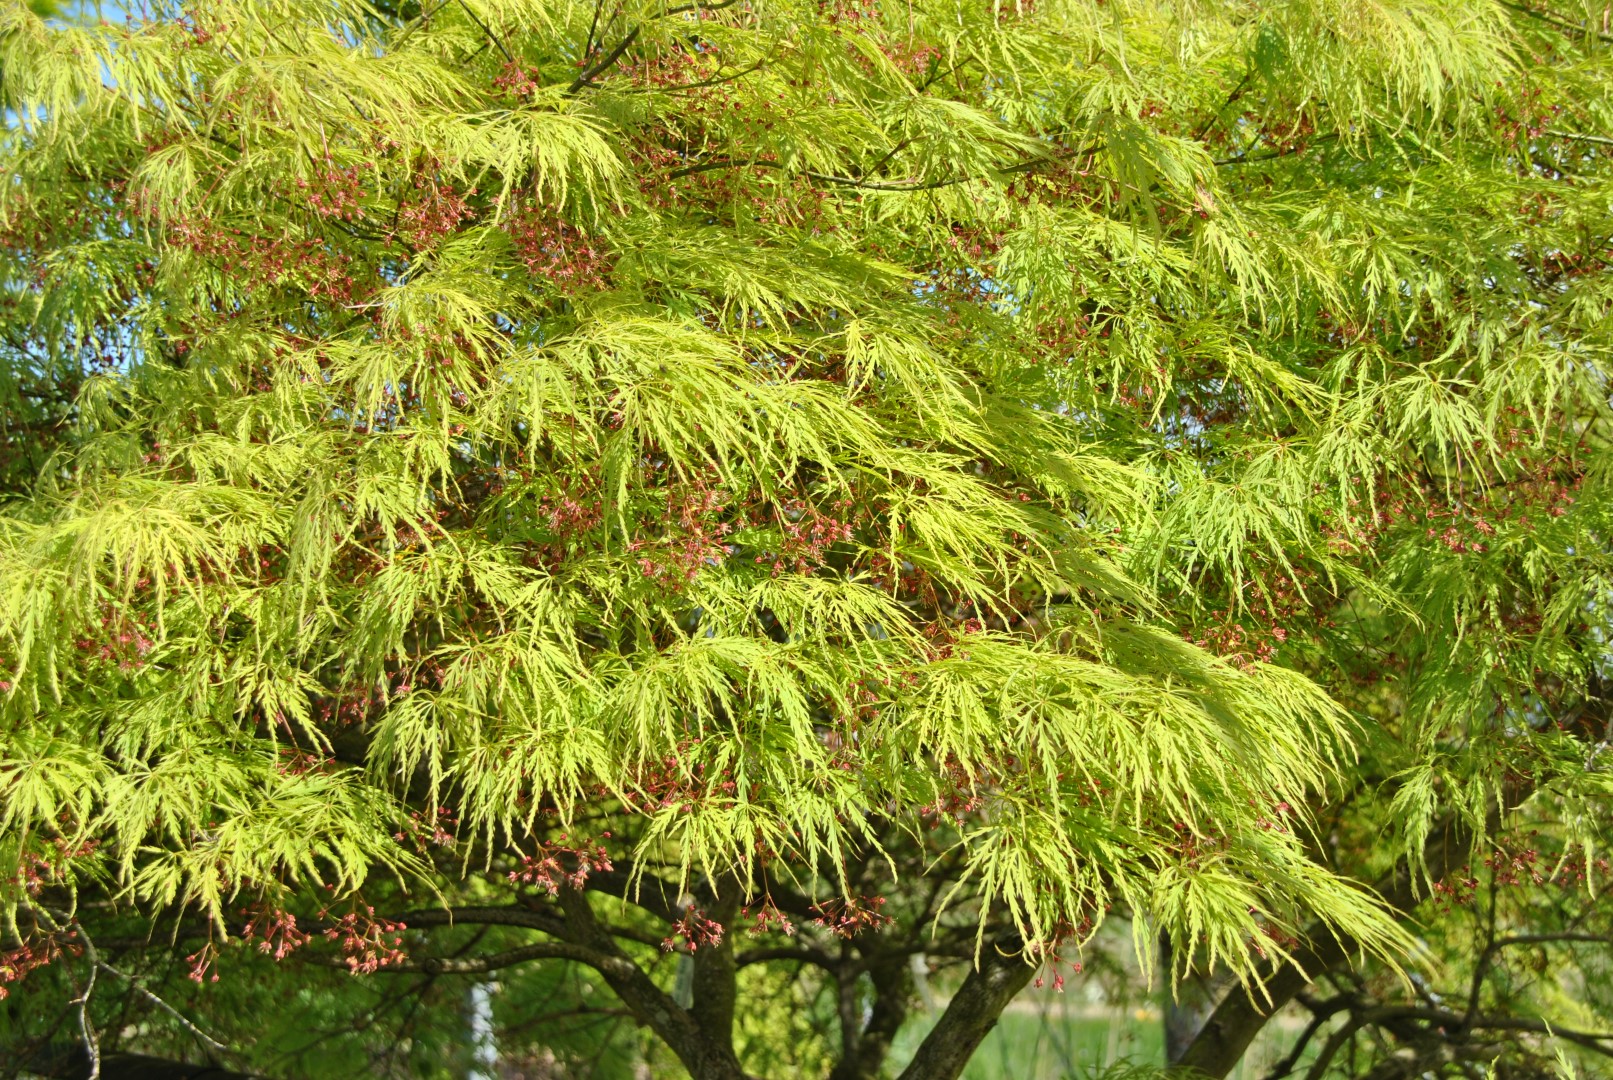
<point x="684" y="8"/>
<point x="593" y="28"/>
<point x="92" y="1046"/>
<point x="488" y="31"/>
<point x="824" y="178"/>
<point x="702" y="84"/>
<point x="184" y="1021"/>
<point x="425" y="17"/>
<point x="1482" y="968"/>
<point x="1553" y="20"/>
<point x="1247" y="159"/>
<point x="1575" y="136"/>
<point x="1322" y="1012"/>
<point x="1237" y="92"/>
<point x="588" y="75"/>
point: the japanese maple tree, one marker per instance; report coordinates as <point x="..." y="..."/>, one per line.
<point x="715" y="514"/>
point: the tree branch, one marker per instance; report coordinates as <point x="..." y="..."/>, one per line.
<point x="641" y="889"/>
<point x="1576" y="136"/>
<point x="588" y="74"/>
<point x="1001" y="973"/>
<point x="488" y="31"/>
<point x="892" y="980"/>
<point x="805" y="954"/>
<point x="683" y="9"/>
<point x="715" y="970"/>
<point x="476" y="965"/>
<point x="1553" y="20"/>
<point x="705" y="1056"/>
<point x="1321" y="1013"/>
<point x="1239" y="1017"/>
<point x="825" y="178"/>
<point x="513" y="915"/>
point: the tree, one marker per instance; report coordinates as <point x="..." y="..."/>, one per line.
<point x="712" y="513"/>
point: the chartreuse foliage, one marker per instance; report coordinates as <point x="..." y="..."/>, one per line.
<point x="771" y="433"/>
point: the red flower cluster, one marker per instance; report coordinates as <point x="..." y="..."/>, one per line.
<point x="275" y="932"/>
<point x="15" y="964"/>
<point x="434" y="211"/>
<point x="561" y="863"/>
<point x="807" y="534"/>
<point x="696" y="931"/>
<point x="768" y="919"/>
<point x="368" y="943"/>
<point x="518" y="81"/>
<point x="335" y="193"/>
<point x="847" y="918"/>
<point x="694" y="536"/>
<point x="561" y="253"/>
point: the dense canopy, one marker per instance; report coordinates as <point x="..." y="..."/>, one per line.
<point x="940" y="472"/>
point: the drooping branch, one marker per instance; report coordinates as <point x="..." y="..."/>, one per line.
<point x="804" y="954"/>
<point x="1241" y="1015"/>
<point x="700" y="1037"/>
<point x="513" y="915"/>
<point x="593" y="71"/>
<point x="1577" y="29"/>
<point x="1447" y="1026"/>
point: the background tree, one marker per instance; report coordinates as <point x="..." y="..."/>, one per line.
<point x="714" y="514"/>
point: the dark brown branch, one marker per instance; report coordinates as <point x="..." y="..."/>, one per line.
<point x="715" y="971"/>
<point x="1001" y="973"/>
<point x="521" y="916"/>
<point x="589" y="74"/>
<point x="1553" y="20"/>
<point x="1597" y="1041"/>
<point x="1546" y="939"/>
<point x="683" y="9"/>
<point x="645" y="890"/>
<point x="806" y="955"/>
<point x="1576" y="136"/>
<point x="488" y="31"/>
<point x="705" y="1056"/>
<point x="716" y="80"/>
<point x="1321" y="1013"/>
<point x="1237" y="92"/>
<point x="892" y="981"/>
<point x="476" y="965"/>
<point x="1252" y="159"/>
<point x="1452" y="1027"/>
<point x="593" y="28"/>
<point x="1240" y="1016"/>
<point x="824" y="178"/>
<point x="1482" y="968"/>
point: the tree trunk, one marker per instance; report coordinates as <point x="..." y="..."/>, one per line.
<point x="892" y="980"/>
<point x="1002" y="972"/>
<point x="1188" y="1005"/>
<point x="708" y="1055"/>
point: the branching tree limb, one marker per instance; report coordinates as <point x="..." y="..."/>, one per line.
<point x="1001" y="973"/>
